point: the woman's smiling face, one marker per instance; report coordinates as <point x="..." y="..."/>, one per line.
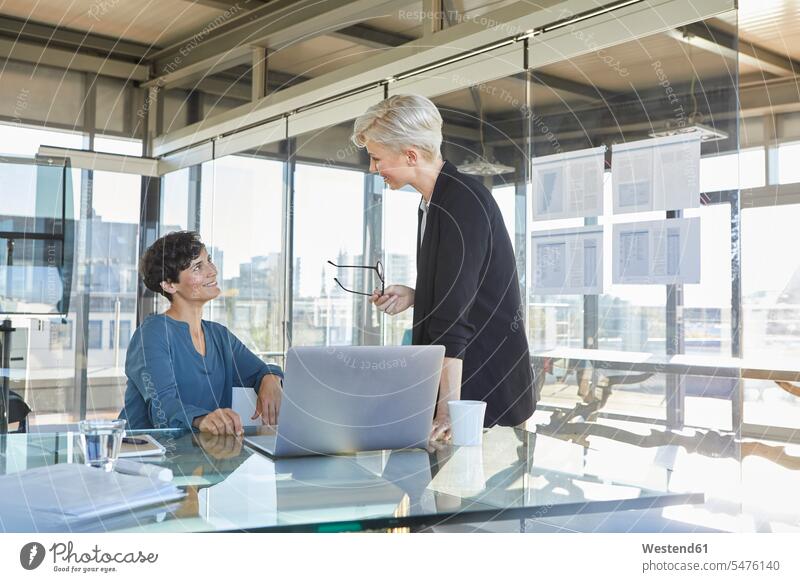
<point x="197" y="282"/>
<point x="392" y="166"/>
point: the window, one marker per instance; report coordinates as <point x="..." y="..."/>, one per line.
<point x="25" y="141"/>
<point x="400" y="256"/>
<point x="771" y="282"/>
<point x="112" y="259"/>
<point x="771" y="309"/>
<point x="789" y="162"/>
<point x="707" y="305"/>
<point x="175" y="201"/>
<point x="244" y="236"/>
<point x="95" y="334"/>
<point x="329" y="200"/>
<point x="747" y="169"/>
<point x="507" y="201"/>
<point x="123" y="147"/>
<point x="51" y="360"/>
<point x="124" y="334"/>
<point x="60" y="335"/>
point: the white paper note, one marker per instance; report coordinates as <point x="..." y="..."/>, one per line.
<point x="660" y="252"/>
<point x="244" y="404"/>
<point x="568" y="261"/>
<point x="56" y="496"/>
<point x="662" y="173"/>
<point x="568" y="185"/>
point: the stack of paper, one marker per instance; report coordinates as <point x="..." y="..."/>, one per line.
<point x="57" y="497"/>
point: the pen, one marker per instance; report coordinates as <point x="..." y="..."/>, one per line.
<point x="135" y="441"/>
<point x="134" y="468"/>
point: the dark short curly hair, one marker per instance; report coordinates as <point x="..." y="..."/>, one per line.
<point x="167" y="257"/>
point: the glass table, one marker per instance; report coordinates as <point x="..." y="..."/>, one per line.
<point x="514" y="475"/>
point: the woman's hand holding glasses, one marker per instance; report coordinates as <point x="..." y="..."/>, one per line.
<point x="395" y="299"/>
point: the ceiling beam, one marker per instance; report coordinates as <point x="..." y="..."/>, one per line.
<point x="730" y="46"/>
<point x="771" y="97"/>
<point x="239" y="86"/>
<point x="372" y="37"/>
<point x="634" y="114"/>
<point x="70" y="60"/>
<point x="562" y="85"/>
<point x="375" y="38"/>
<point x="227" y="4"/>
<point x="222" y="88"/>
<point x="596" y="124"/>
<point x="444" y="9"/>
<point x="75" y="40"/>
<point x="224" y="42"/>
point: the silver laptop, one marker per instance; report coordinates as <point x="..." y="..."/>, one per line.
<point x="349" y="399"/>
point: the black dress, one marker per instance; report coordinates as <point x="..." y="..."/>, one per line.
<point x="467" y="297"/>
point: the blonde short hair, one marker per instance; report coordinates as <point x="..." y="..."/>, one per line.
<point x="401" y="122"/>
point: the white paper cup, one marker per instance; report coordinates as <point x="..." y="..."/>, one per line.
<point x="466" y="417"/>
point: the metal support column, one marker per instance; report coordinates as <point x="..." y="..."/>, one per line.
<point x="369" y="323"/>
<point x="521" y="193"/>
<point x="287" y="228"/>
<point x="737" y="325"/>
<point x="150" y="207"/>
<point x="591" y="309"/>
<point x="83" y="252"/>
<point x="258" y="87"/>
<point x="194" y="114"/>
<point x="433" y="17"/>
<point x="675" y="384"/>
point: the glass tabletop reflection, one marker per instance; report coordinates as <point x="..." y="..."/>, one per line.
<point x="515" y="474"/>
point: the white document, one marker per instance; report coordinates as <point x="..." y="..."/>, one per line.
<point x="568" y="185"/>
<point x="71" y="491"/>
<point x="145" y="446"/>
<point x="567" y="261"/>
<point x="660" y="252"/>
<point x="244" y="404"/>
<point x="662" y="173"/>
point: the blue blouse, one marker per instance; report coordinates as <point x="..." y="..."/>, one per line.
<point x="170" y="383"/>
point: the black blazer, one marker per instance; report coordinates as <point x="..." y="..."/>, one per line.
<point x="467" y="297"/>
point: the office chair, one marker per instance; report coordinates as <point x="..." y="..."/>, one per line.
<point x="18" y="411"/>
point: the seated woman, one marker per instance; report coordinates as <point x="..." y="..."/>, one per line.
<point x="181" y="369"/>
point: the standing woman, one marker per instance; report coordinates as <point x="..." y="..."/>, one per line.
<point x="467" y="290"/>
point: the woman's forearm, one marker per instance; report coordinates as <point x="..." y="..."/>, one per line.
<point x="449" y="385"/>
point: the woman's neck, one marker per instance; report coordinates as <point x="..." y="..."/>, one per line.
<point x="188" y="312"/>
<point x="425" y="180"/>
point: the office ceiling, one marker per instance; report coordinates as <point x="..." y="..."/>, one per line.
<point x="769" y="27"/>
<point x="772" y="24"/>
<point x="153" y="23"/>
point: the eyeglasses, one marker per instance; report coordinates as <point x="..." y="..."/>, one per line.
<point x="378" y="268"/>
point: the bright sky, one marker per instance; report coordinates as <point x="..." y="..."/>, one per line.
<point x="329" y="218"/>
<point x="246" y="218"/>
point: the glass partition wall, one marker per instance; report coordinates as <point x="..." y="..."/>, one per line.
<point x="613" y="123"/>
<point x="241" y="224"/>
<point x="564" y="148"/>
<point x="70" y="366"/>
<point x="332" y="209"/>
